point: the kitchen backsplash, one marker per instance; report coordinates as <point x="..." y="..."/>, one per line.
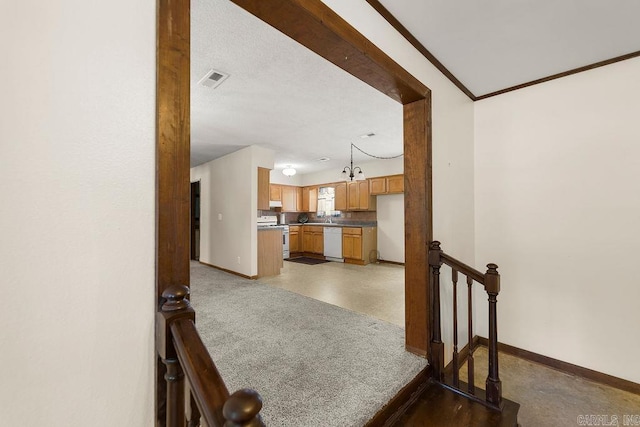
<point x="345" y="217"/>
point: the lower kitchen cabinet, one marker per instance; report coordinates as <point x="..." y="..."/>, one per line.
<point x="359" y="244"/>
<point x="312" y="239"/>
<point x="352" y="243"/>
<point x="269" y="252"/>
<point x="294" y="239"/>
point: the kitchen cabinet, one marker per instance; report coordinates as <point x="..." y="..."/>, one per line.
<point x="393" y="184"/>
<point x="294" y="239"/>
<point x="269" y="252"/>
<point x="312" y="239"/>
<point x="309" y="199"/>
<point x="340" y="196"/>
<point x="289" y="198"/>
<point x="358" y="196"/>
<point x="299" y="199"/>
<point x="352" y="243"/>
<point x="263" y="189"/>
<point x="359" y="244"/>
<point x="378" y="185"/>
<point x="275" y="192"/>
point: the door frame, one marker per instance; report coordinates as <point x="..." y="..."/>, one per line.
<point x="316" y="26"/>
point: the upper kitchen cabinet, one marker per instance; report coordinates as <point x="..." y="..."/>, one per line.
<point x="393" y="184"/>
<point x="310" y="199"/>
<point x="340" y="201"/>
<point x="299" y="199"/>
<point x="263" y="189"/>
<point x="275" y="191"/>
<point x="358" y="196"/>
<point x="289" y="198"/>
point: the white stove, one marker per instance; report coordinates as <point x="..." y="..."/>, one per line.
<point x="267" y="221"/>
<point x="272" y="221"/>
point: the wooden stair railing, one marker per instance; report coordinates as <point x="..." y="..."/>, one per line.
<point x="492" y="395"/>
<point x="184" y="354"/>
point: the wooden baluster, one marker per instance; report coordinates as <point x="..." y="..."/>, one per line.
<point x="175" y="393"/>
<point x="176" y="306"/>
<point x="437" y="347"/>
<point x="493" y="384"/>
<point x="456" y="374"/>
<point x="192" y="411"/>
<point x="243" y="409"/>
<point x="470" y="367"/>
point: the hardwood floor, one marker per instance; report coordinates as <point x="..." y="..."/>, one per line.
<point x="439" y="407"/>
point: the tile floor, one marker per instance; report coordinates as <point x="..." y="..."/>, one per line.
<point x="374" y="289"/>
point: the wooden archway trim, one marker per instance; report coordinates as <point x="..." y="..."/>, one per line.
<point x="173" y="144"/>
<point x="319" y="28"/>
<point x="316" y="26"/>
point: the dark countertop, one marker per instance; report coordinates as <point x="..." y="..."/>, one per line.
<point x="337" y="224"/>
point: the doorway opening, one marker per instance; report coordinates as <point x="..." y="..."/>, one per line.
<point x="195" y="220"/>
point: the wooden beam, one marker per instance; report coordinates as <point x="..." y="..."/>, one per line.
<point x="316" y="26"/>
<point x="172" y="160"/>
<point x="418" y="223"/>
<point x="173" y="144"/>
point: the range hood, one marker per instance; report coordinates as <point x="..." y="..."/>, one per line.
<point x="275" y="203"/>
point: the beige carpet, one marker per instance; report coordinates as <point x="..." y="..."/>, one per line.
<point x="314" y="364"/>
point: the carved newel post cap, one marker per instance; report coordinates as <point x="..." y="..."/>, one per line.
<point x="434" y="254"/>
<point x="492" y="268"/>
<point x="492" y="279"/>
<point x="175" y="298"/>
<point x="242" y="408"/>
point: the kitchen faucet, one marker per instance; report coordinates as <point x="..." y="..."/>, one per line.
<point x="328" y="220"/>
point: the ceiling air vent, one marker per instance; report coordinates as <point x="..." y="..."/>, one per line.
<point x="213" y="79"/>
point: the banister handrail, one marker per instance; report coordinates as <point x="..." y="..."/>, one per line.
<point x="182" y="350"/>
<point x="208" y="387"/>
<point x="491" y="283"/>
<point x="462" y="267"/>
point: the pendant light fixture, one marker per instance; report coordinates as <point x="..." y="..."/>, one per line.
<point x="354" y="173"/>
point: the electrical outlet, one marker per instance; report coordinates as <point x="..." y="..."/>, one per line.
<point x="238" y="260"/>
<point x="219" y="217"/>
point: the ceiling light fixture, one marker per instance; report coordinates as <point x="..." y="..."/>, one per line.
<point x="351" y="176"/>
<point x="289" y="171"/>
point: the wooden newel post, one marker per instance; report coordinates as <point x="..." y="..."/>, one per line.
<point x="437" y="347"/>
<point x="493" y="384"/>
<point x="242" y="409"/>
<point x="175" y="306"/>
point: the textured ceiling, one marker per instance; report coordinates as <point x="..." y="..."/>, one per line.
<point x="280" y="96"/>
<point x="492" y="45"/>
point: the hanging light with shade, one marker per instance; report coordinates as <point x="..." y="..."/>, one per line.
<point x="351" y="173"/>
<point x="289" y="171"/>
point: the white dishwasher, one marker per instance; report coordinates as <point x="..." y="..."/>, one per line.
<point x="333" y="243"/>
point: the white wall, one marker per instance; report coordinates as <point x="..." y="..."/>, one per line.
<point x="390" y="216"/>
<point x="277" y="177"/>
<point x="228" y="209"/>
<point x="77" y="179"/>
<point x="558" y="208"/>
<point x="453" y="139"/>
<point x="452" y="129"/>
